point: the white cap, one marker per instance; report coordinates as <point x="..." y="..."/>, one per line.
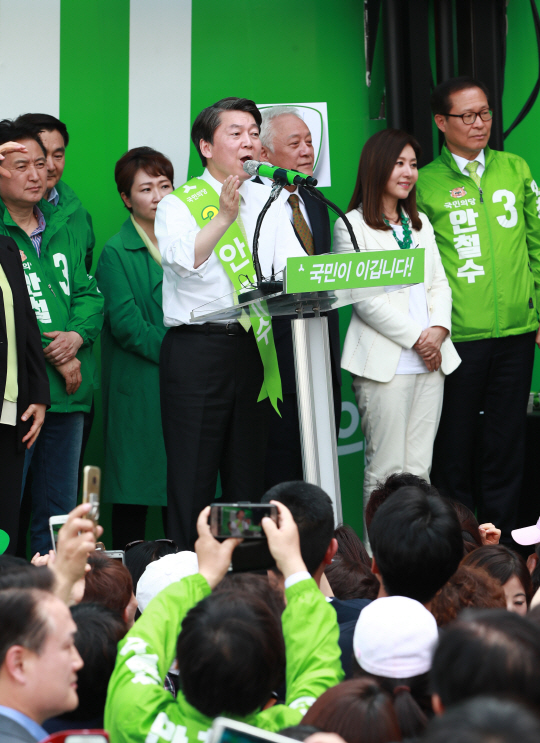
<point x="395" y="637"/>
<point x="161" y="573"/>
<point x="527" y="535"/>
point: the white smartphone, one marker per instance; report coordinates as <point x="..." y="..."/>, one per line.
<point x="55" y="524"/>
<point x="230" y="731"/>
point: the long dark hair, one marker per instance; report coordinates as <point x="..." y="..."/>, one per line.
<point x="377" y="162"/>
<point x="502" y="563"/>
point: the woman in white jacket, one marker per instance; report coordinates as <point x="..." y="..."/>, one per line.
<point x="398" y="346"/>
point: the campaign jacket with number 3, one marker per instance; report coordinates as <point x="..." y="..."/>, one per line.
<point x="63" y="297"/>
<point x="489" y="241"/>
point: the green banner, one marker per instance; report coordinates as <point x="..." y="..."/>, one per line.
<point x="354" y="270"/>
<point x="235" y="257"/>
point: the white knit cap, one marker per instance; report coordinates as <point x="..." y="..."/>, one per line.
<point x="161" y="573"/>
<point x="395" y="637"/>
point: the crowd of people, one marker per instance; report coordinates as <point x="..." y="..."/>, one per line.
<point x="435" y="638"/>
<point x="425" y="630"/>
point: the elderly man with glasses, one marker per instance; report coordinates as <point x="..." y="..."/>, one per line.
<point x="485" y="208"/>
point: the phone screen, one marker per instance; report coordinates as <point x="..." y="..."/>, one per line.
<point x="240" y="521"/>
<point x="55" y="528"/>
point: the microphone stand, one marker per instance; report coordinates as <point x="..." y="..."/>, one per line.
<point x="318" y="195"/>
<point x="263" y="287"/>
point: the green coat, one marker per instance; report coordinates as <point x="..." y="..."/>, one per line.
<point x="130" y="281"/>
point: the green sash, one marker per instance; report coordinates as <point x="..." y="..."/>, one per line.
<point x="235" y="257"/>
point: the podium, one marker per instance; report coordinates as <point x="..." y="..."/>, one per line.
<point x="313" y="285"/>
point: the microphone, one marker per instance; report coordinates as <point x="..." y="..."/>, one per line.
<point x="280" y="175"/>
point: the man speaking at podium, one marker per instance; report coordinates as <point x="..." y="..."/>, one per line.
<point x="286" y="141"/>
<point x="212" y="374"/>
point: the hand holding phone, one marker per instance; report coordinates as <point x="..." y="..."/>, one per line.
<point x="214" y="557"/>
<point x="76" y="540"/>
<point x="284" y="541"/>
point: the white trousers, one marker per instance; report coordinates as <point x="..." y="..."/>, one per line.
<point x="399" y="421"/>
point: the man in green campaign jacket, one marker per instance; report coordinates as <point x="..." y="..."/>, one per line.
<point x="69" y="310"/>
<point x="54" y="135"/>
<point x="485" y="209"/>
<point x="139" y="709"/>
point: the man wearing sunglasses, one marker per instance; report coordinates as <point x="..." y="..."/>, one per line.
<point x="485" y="208"/>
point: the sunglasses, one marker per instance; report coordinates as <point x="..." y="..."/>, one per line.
<point x="143" y="541"/>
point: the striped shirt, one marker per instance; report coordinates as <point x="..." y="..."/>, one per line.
<point x="37" y="234"/>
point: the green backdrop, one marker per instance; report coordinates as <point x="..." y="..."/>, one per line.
<point x="268" y="52"/>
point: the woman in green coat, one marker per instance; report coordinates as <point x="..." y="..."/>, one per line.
<point x="130" y="277"/>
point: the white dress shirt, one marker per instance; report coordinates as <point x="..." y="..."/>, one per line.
<point x="285" y="197"/>
<point x="461" y="162"/>
<point x="186" y="287"/>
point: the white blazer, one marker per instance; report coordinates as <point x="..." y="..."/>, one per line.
<point x="380" y="327"/>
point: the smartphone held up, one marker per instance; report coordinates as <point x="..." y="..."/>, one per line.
<point x="241" y="520"/>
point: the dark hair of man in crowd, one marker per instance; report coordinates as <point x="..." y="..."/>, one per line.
<point x="312" y="511"/>
<point x="485" y="720"/>
<point x="231" y="654"/>
<point x="469" y="588"/>
<point x="469" y="526"/>
<point x="411" y="698"/>
<point x="535" y="572"/>
<point x="299" y="732"/>
<point x="17" y="573"/>
<point x="358" y="710"/>
<point x="209" y="119"/>
<point x="108" y="583"/>
<point x="255" y="585"/>
<point x="141" y="555"/>
<point x="416" y="542"/>
<point x="385" y="488"/>
<point x="488" y="652"/>
<point x="15" y="131"/>
<point x="502" y="564"/>
<point x="441" y="102"/>
<point x="377" y="161"/>
<point x="99" y="630"/>
<point x="349" y="573"/>
<point x="47" y="123"/>
<point x="140" y="158"/>
<point x="23" y="620"/>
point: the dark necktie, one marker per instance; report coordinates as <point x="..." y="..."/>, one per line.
<point x="300" y="225"/>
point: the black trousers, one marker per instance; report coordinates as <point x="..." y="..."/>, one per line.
<point x="479" y="459"/>
<point x="212" y="422"/>
<point x="11" y="469"/>
<point x="284" y="453"/>
<point x="129" y="523"/>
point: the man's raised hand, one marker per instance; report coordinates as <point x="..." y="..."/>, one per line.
<point x="214" y="557"/>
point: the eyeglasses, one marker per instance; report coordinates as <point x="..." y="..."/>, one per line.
<point x="470" y="116"/>
<point x="142" y="541"/>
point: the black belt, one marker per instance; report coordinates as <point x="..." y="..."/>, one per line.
<point x="211" y="328"/>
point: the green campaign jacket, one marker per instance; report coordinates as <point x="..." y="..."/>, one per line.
<point x="139" y="709"/>
<point x="79" y="221"/>
<point x="131" y="282"/>
<point x="489" y="241"/>
<point x="63" y="297"/>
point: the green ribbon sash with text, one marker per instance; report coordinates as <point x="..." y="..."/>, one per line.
<point x="235" y="257"/>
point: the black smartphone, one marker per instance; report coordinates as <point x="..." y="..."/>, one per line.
<point x="240" y="519"/>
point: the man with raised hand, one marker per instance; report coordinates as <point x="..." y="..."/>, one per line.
<point x="54" y="135"/>
<point x="286" y="141"/>
<point x="216" y="376"/>
<point x="214" y="638"/>
<point x="69" y="311"/>
<point x="484" y="207"/>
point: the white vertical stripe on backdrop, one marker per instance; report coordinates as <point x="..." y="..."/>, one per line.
<point x="160" y="79"/>
<point x="29" y="57"/>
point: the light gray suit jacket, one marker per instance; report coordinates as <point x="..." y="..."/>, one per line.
<point x="11" y="731"/>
